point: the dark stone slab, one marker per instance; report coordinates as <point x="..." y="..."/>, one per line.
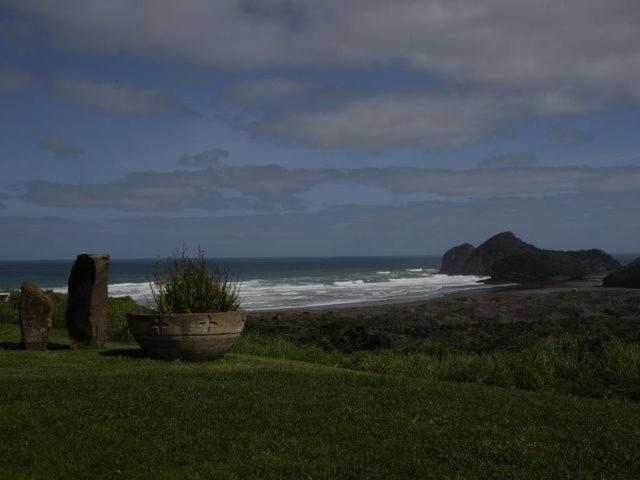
<point x="86" y="313"/>
<point x="36" y="309"/>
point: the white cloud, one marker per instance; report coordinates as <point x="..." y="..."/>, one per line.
<point x="509" y="60"/>
<point x="393" y="120"/>
<point x="121" y="99"/>
<point x="579" y="45"/>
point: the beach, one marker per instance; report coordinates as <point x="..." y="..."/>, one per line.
<point x="477" y="320"/>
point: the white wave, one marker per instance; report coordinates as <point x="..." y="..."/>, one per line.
<point x="384" y="272"/>
<point x="348" y="283"/>
<point x="260" y="294"/>
<point x="414" y="269"/>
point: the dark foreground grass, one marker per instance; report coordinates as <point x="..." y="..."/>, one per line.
<point x="80" y="414"/>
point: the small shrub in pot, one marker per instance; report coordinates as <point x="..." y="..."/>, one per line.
<point x="197" y="311"/>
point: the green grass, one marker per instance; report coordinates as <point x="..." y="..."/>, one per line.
<point x="82" y="414"/>
<point x="599" y="367"/>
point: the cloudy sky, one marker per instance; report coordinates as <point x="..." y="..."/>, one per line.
<point x="333" y="127"/>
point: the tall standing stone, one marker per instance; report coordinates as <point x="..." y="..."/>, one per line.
<point x="87" y="306"/>
<point x="36" y="309"/>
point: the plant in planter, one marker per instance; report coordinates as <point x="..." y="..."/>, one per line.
<point x="196" y="317"/>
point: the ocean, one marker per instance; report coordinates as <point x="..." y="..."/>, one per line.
<point x="274" y="283"/>
<point x="271" y="283"/>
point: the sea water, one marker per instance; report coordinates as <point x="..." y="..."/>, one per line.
<point x="272" y="283"/>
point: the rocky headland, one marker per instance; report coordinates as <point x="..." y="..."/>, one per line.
<point x="506" y="258"/>
<point x="627" y="276"/>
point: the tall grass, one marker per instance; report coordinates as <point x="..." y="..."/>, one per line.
<point x="192" y="285"/>
<point x="598" y="367"/>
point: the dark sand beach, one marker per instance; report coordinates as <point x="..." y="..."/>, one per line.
<point x="477" y="320"/>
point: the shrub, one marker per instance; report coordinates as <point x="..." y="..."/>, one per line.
<point x="8" y="313"/>
<point x="192" y="285"/>
<point x="117" y="308"/>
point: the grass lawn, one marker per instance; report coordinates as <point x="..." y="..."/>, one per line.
<point x="82" y="414"/>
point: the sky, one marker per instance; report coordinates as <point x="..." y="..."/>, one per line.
<point x="313" y="128"/>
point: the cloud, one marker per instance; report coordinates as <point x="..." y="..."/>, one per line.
<point x="562" y="133"/>
<point x="571" y="221"/>
<point x="267" y="90"/>
<point x="433" y="120"/>
<point x="264" y="187"/>
<point x="60" y="149"/>
<point x="205" y="159"/>
<point x="540" y="45"/>
<point x="510" y="160"/>
<point x="393" y="120"/>
<point x="508" y="61"/>
<point x="121" y="99"/>
<point x="272" y="187"/>
<point x="14" y="79"/>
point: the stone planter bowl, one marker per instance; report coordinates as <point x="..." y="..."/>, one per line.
<point x="190" y="336"/>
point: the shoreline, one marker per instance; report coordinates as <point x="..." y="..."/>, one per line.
<point x="388" y="301"/>
<point x="594" y="283"/>
<point x="476" y="320"/>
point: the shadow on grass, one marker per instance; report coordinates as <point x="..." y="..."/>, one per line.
<point x="125" y="352"/>
<point x="19" y="346"/>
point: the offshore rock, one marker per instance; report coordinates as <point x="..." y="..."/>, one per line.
<point x="455" y="259"/>
<point x="530" y="263"/>
<point x="86" y="313"/>
<point x="36" y="309"/>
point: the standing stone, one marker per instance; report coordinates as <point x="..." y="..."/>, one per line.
<point x="87" y="306"/>
<point x="36" y="309"/>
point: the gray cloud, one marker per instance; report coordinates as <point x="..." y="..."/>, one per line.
<point x="121" y="99"/>
<point x="14" y="79"/>
<point x="59" y="148"/>
<point x="261" y="187"/>
<point x="268" y="187"/>
<point x="571" y="221"/>
<point x="510" y="160"/>
<point x="562" y="133"/>
<point x="513" y="60"/>
<point x="205" y="159"/>
<point x="428" y="119"/>
<point x="267" y="90"/>
<point x="494" y="42"/>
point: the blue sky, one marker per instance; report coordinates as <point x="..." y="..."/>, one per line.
<point x="259" y="128"/>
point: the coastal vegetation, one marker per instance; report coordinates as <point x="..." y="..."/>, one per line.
<point x="628" y="276"/>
